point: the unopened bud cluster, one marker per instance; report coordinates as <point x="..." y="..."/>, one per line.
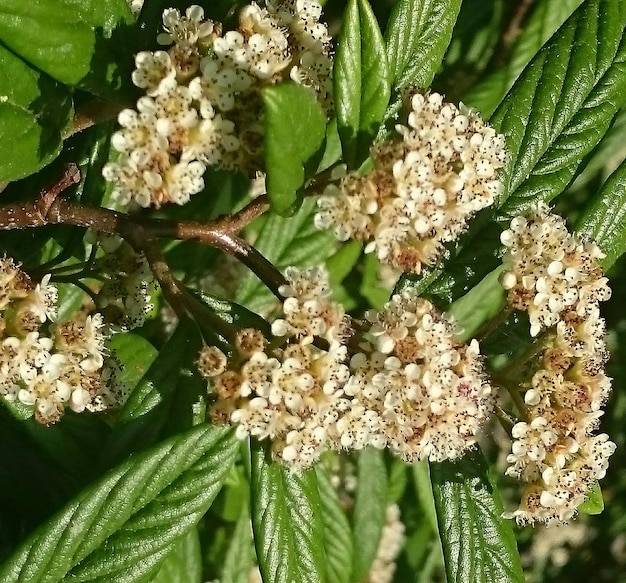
<point x="556" y="278"/>
<point x="424" y="188"/>
<point x="203" y="103"/>
<point x="45" y="364"/>
<point x="402" y="381"/>
<point x="391" y="543"/>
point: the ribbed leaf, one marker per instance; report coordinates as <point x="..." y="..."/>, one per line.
<point x="120" y="528"/>
<point x="546" y="18"/>
<point x="370" y="510"/>
<point x="361" y="81"/>
<point x="604" y="218"/>
<point x="184" y="563"/>
<point x="287" y="522"/>
<point x="417" y="36"/>
<point x="337" y="533"/>
<point x="563" y="103"/>
<point x="478" y="544"/>
<point x="295" y="127"/>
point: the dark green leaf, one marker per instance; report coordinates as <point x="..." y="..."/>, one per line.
<point x="417" y="35"/>
<point x="547" y="16"/>
<point x="146" y="410"/>
<point x="361" y="81"/>
<point x="287" y="522"/>
<point x="478" y="544"/>
<point x="294" y="241"/>
<point x="604" y="218"/>
<point x="184" y="563"/>
<point x="370" y="510"/>
<point x="121" y="528"/>
<point x="295" y="127"/>
<point x="479" y="306"/>
<point x="67" y="39"/>
<point x="34" y="109"/>
<point x="337" y="533"/>
<point x="563" y="103"/>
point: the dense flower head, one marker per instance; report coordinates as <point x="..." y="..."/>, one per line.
<point x="203" y="103"/>
<point x="424" y="187"/>
<point x="408" y="385"/>
<point x="46" y="364"/>
<point x="422" y="389"/>
<point x="556" y="278"/>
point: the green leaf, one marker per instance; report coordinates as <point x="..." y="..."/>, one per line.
<point x="294" y="241"/>
<point x="240" y="557"/>
<point x="479" y="306"/>
<point x="145" y="413"/>
<point x="295" y="127"/>
<point x="121" y="528"/>
<point x="184" y="563"/>
<point x="287" y="522"/>
<point x="594" y="503"/>
<point x="563" y="103"/>
<point x="417" y="36"/>
<point x="545" y="19"/>
<point x="361" y="81"/>
<point x="370" y="510"/>
<point x="34" y="109"/>
<point x="604" y="218"/>
<point x="478" y="544"/>
<point x="67" y="39"/>
<point x="337" y="533"/>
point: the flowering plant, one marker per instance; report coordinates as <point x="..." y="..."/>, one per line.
<point x="300" y="291"/>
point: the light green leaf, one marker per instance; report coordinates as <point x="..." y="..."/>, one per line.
<point x="594" y="503"/>
<point x="478" y="544"/>
<point x="294" y="241"/>
<point x="337" y="533"/>
<point x="546" y="17"/>
<point x="120" y="528"/>
<point x="604" y="218"/>
<point x="417" y="36"/>
<point x="479" y="306"/>
<point x="361" y="81"/>
<point x="34" y="109"/>
<point x="563" y="104"/>
<point x="240" y="555"/>
<point x="295" y="127"/>
<point x="370" y="510"/>
<point x="67" y="39"/>
<point x="183" y="564"/>
<point x="287" y="522"/>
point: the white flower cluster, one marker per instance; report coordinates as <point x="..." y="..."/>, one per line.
<point x="203" y="104"/>
<point x="126" y="296"/>
<point x="389" y="547"/>
<point x="49" y="372"/>
<point x="409" y="385"/>
<point x="423" y="189"/>
<point x="556" y="278"/>
<point x="414" y="387"/>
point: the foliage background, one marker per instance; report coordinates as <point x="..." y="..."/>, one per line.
<point x="166" y="471"/>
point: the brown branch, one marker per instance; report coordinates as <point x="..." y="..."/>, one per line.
<point x="140" y="232"/>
